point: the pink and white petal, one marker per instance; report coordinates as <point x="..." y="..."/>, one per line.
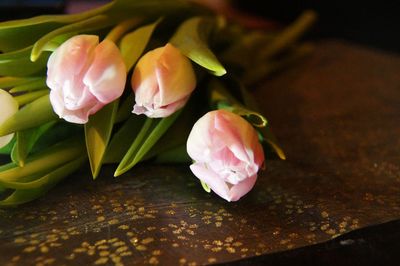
<point x="57" y="102"/>
<point x="211" y="179"/>
<point x="144" y="81"/>
<point x="139" y="109"/>
<point x="165" y="111"/>
<point x="106" y="75"/>
<point x="144" y="87"/>
<point x="76" y="102"/>
<point x="175" y="75"/>
<point x="228" y="128"/>
<point x="198" y="144"/>
<point x="242" y="188"/>
<point x="70" y="59"/>
<point x="81" y="116"/>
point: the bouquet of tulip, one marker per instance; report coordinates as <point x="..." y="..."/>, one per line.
<point x="132" y="81"/>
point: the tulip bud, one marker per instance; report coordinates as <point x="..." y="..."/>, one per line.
<point x="9" y="107"/>
<point x="162" y="80"/>
<point x="84" y="75"/>
<point x="226" y="152"/>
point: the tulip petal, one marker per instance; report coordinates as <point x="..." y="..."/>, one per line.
<point x="79" y="116"/>
<point x="83" y="76"/>
<point x="173" y="75"/>
<point x="199" y="144"/>
<point x="211" y="179"/>
<point x="69" y="60"/>
<point x="226" y="152"/>
<point x="162" y="80"/>
<point x="152" y="112"/>
<point x="144" y="82"/>
<point x="242" y="188"/>
<point x="235" y="137"/>
<point x="9" y="107"/>
<point x="106" y="75"/>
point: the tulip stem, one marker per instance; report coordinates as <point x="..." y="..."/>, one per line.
<point x="118" y="31"/>
<point x="290" y="35"/>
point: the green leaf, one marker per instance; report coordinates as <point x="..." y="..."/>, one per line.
<point x="30" y="96"/>
<point x="29" y="191"/>
<point x="96" y="22"/>
<point x="25" y="141"/>
<point x="134" y="43"/>
<point x="17" y="34"/>
<point x="244" y="47"/>
<point x="54" y="43"/>
<point x="191" y="39"/>
<point x="122" y="28"/>
<point x="44" y="161"/>
<point x="125" y="108"/>
<point x="38" y="181"/>
<point x="175" y="155"/>
<point x="61" y="131"/>
<point x="31" y="115"/>
<point x="205" y="187"/>
<point x="180" y="130"/>
<point x="221" y="98"/>
<point x="21" y="38"/>
<point x="7" y="82"/>
<point x="147" y="138"/>
<point x="266" y="131"/>
<point x="22" y="66"/>
<point x="8" y="148"/>
<point x="119" y="143"/>
<point x="21" y="33"/>
<point x="63" y="18"/>
<point x="270" y="138"/>
<point x="126" y="161"/>
<point x="97" y="133"/>
<point x="289" y="35"/>
<point x="36" y="84"/>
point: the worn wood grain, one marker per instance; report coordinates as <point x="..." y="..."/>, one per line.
<point x="337" y="117"/>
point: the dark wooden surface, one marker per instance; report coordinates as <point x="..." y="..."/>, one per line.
<point x="337" y="117"/>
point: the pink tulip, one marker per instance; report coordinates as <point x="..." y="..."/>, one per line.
<point x="162" y="80"/>
<point x="226" y="152"/>
<point x="9" y="107"/>
<point x="84" y="75"/>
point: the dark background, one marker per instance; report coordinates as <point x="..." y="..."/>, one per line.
<point x="370" y="23"/>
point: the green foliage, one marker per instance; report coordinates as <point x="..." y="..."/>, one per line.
<point x="133" y="44"/>
<point x="151" y="132"/>
<point x="31" y="115"/>
<point x="191" y="38"/>
<point x="97" y="133"/>
<point x="42" y="153"/>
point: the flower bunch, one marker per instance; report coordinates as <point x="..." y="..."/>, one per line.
<point x="132" y="81"/>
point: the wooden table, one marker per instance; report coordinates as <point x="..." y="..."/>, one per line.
<point x="337" y="116"/>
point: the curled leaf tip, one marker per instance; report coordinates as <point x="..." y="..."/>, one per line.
<point x="205" y="187"/>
